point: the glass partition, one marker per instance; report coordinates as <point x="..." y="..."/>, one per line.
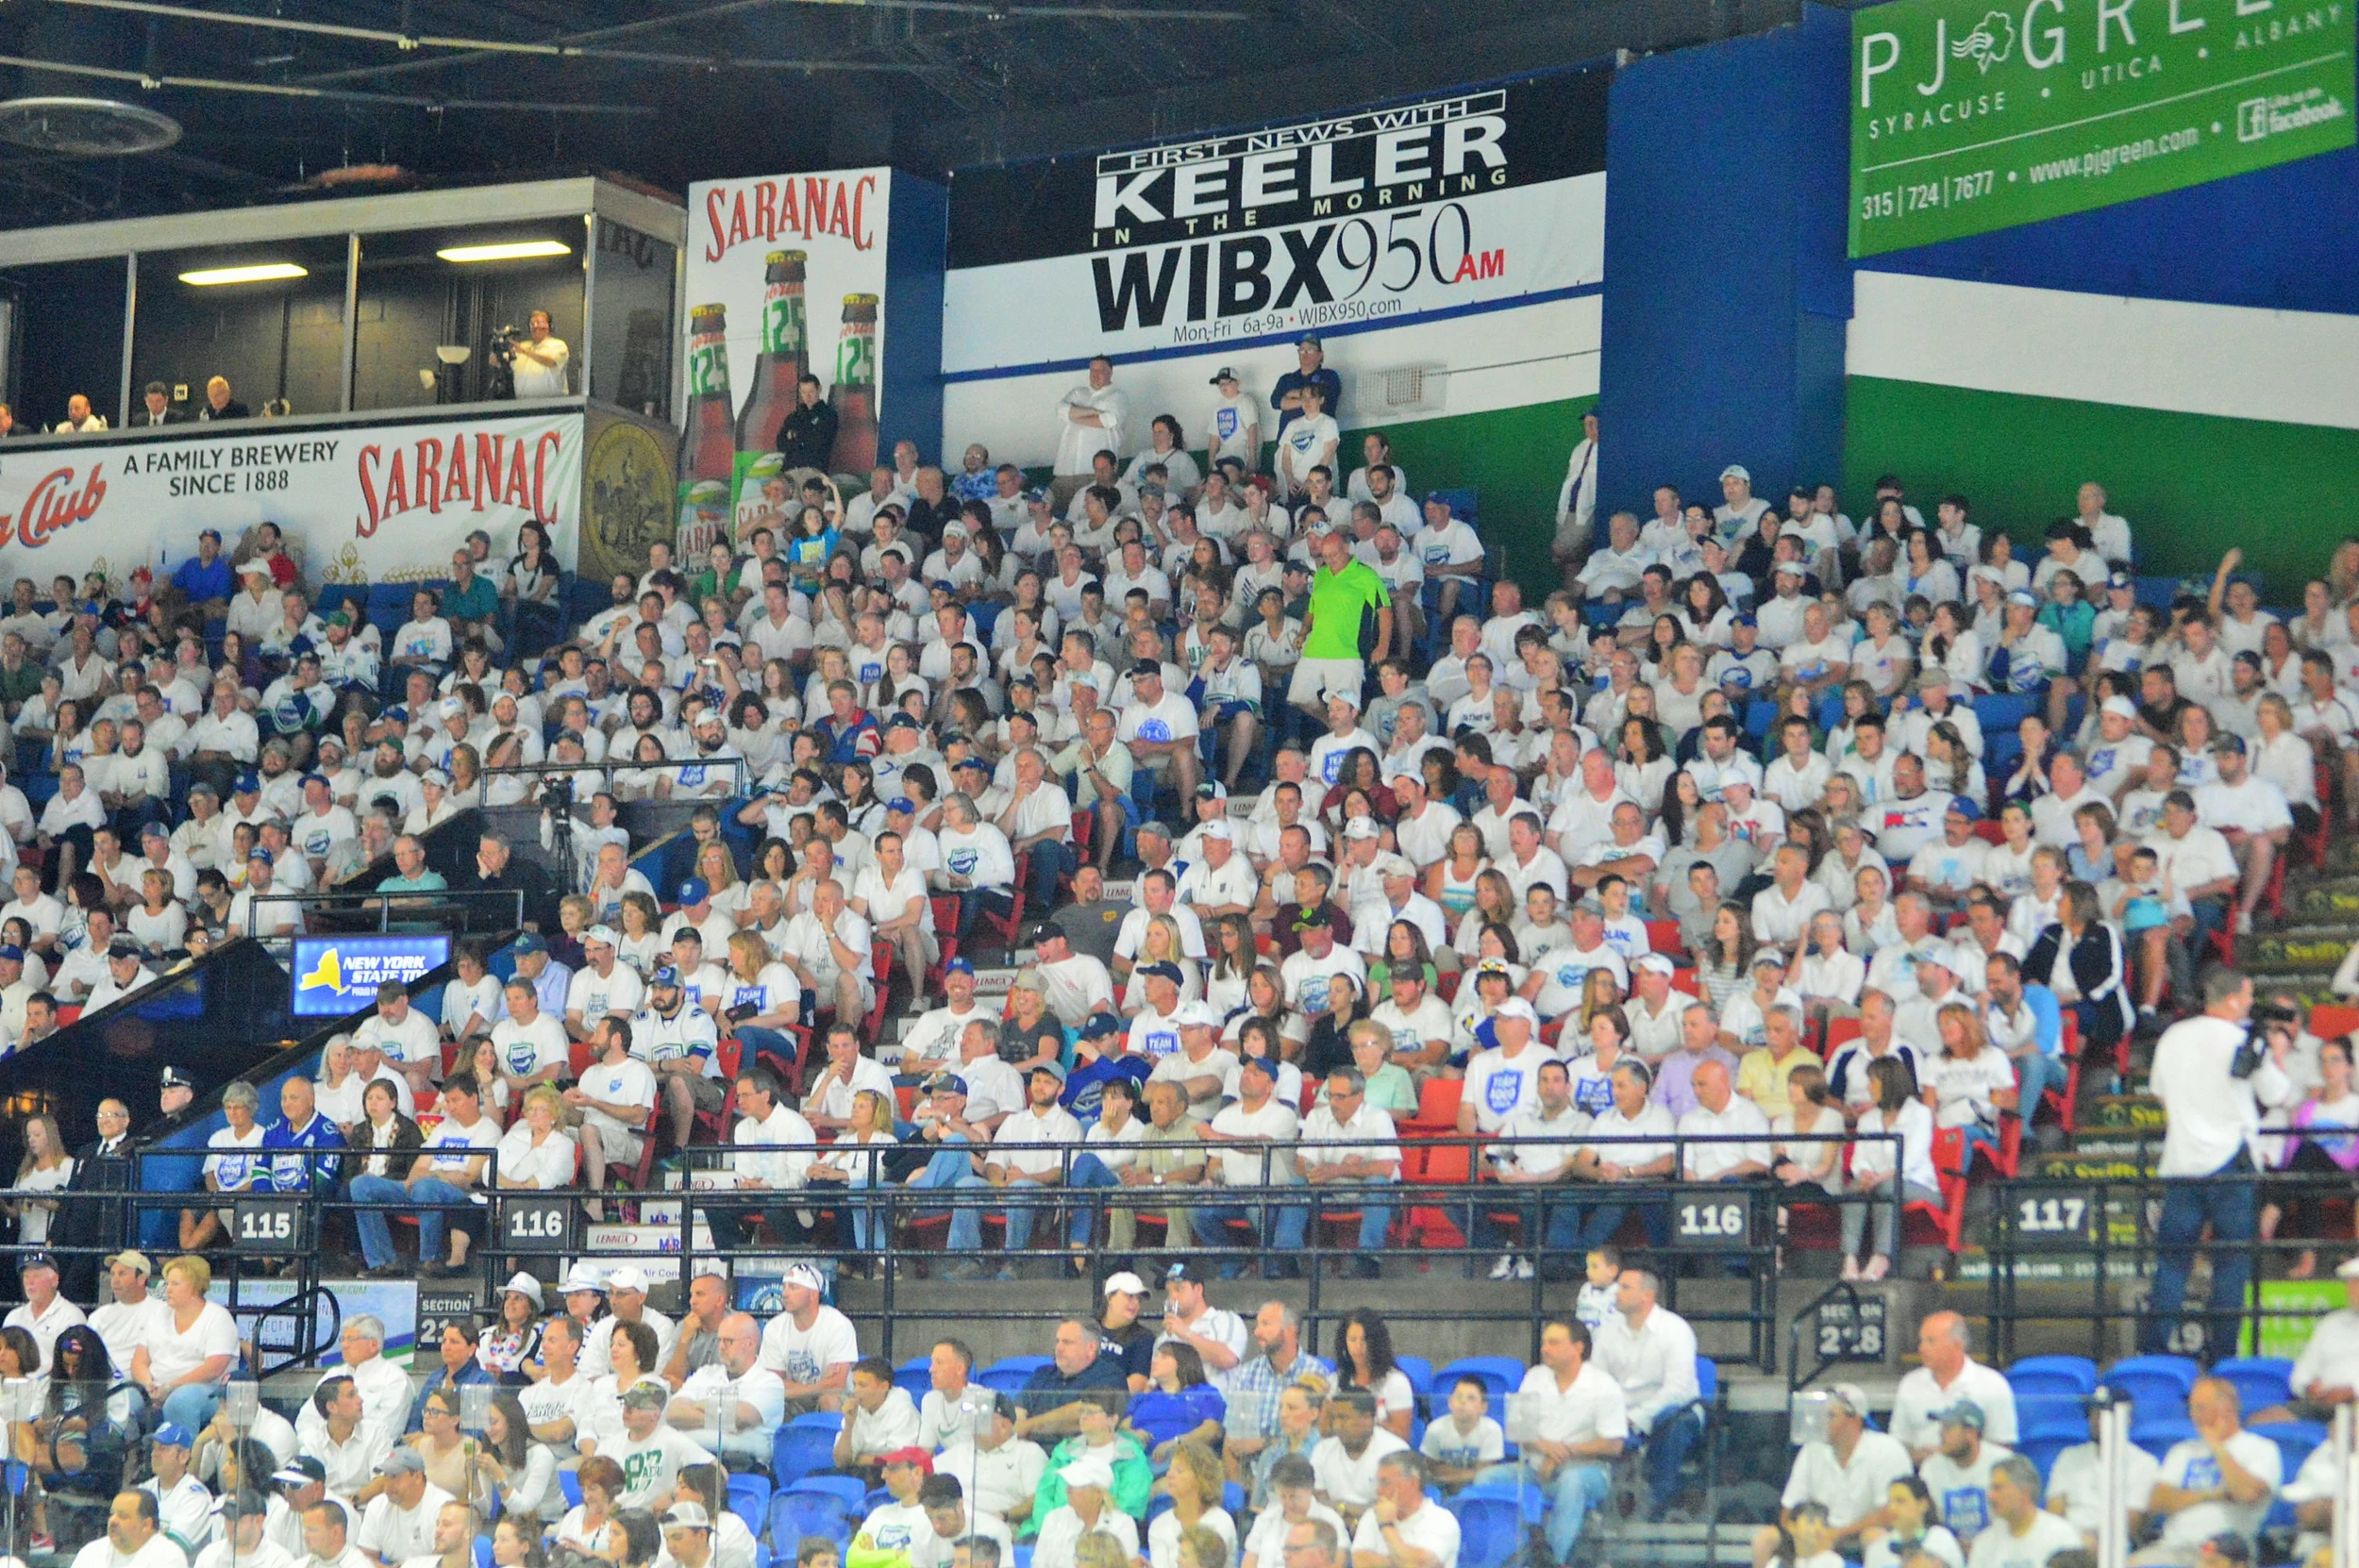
<point x="630" y="312"/>
<point x="268" y="319"/>
<point x="68" y="339"/>
<point x="434" y="305"/>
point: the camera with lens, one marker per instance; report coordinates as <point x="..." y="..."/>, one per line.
<point x="557" y="793"/>
<point x="2269" y="1021"/>
<point x="504" y="341"/>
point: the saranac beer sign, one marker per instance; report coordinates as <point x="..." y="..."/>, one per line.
<point x="1968" y="116"/>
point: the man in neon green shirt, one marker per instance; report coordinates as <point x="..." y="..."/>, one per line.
<point x="1342" y="590"/>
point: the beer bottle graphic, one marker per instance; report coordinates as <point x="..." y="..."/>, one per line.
<point x="785" y="355"/>
<point x="708" y="447"/>
<point x="855" y="392"/>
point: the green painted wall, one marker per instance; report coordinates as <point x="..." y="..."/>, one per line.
<point x="1514" y="456"/>
<point x="2191" y="485"/>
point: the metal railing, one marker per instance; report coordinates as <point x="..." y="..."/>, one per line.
<point x="2068" y="1252"/>
<point x="465" y="904"/>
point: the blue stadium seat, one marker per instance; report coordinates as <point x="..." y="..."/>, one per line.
<point x="1418" y="1370"/>
<point x="1499" y="1374"/>
<point x="482" y="1551"/>
<point x="2156" y="1384"/>
<point x="2001" y="711"/>
<point x="2262" y="1381"/>
<point x="2042" y="1451"/>
<point x="749" y="1499"/>
<point x="1708" y="1381"/>
<point x="849" y="1490"/>
<point x="803" y="1445"/>
<point x="2050" y="1415"/>
<point x="569" y="1487"/>
<point x="796" y="1515"/>
<point x="1010" y="1373"/>
<point x="1491" y="1529"/>
<point x="915" y="1376"/>
<point x="1463" y="503"/>
<point x="2156" y="1433"/>
<point x="2296" y="1440"/>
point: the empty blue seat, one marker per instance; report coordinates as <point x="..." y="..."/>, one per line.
<point x="2156" y="1384"/>
<point x="1491" y="1529"/>
<point x="795" y="1514"/>
<point x="2042" y="1451"/>
<point x="2050" y="1415"/>
<point x="1418" y="1370"/>
<point x="2001" y="711"/>
<point x="569" y="1486"/>
<point x="2262" y="1382"/>
<point x="1010" y="1373"/>
<point x="849" y="1490"/>
<point x="804" y="1444"/>
<point x="2296" y="1440"/>
<point x="2157" y="1433"/>
<point x="749" y="1499"/>
<point x="915" y="1376"/>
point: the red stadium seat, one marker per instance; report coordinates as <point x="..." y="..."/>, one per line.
<point x="1664" y="937"/>
<point x="1686" y="981"/>
<point x="1437" y="1109"/>
<point x="2330" y="1021"/>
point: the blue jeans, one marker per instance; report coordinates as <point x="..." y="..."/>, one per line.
<point x="1599" y="1221"/>
<point x="1282" y="1234"/>
<point x="1376" y="1218"/>
<point x="2036" y="1075"/>
<point x="430" y="1197"/>
<point x="1673" y="1438"/>
<point x="973" y="902"/>
<point x="777" y="1043"/>
<point x="1049" y="862"/>
<point x="951" y="1167"/>
<point x="1571" y="1492"/>
<point x="1548" y="1226"/>
<point x="193" y="1402"/>
<point x="1088" y="1174"/>
<point x="2230" y="1205"/>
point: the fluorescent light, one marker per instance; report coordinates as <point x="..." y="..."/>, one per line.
<point x="264" y="272"/>
<point x="514" y="251"/>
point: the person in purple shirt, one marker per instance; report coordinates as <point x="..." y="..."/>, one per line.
<point x="1699" y="1042"/>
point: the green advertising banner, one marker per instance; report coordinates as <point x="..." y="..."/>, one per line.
<point x="1967" y="117"/>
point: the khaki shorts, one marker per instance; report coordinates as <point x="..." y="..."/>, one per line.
<point x="1316" y="679"/>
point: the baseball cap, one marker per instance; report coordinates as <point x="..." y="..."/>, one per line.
<point x="12" y="952"/>
<point x="1655" y="963"/>
<point x="666" y="976"/>
<point x="247" y="784"/>
<point x="1516" y="1007"/>
<point x="1184" y="1274"/>
<point x="1145" y="668"/>
<point x="580" y="1277"/>
<point x="1226" y="373"/>
<point x="604" y="935"/>
<point x="694" y="890"/>
<point x="523" y="1284"/>
<point x="1769" y="958"/>
<point x="1852" y="1397"/>
<point x="1161" y="971"/>
<point x="629" y="1278"/>
<point x="646" y="1396"/>
<point x="403" y="1460"/>
<point x="1933" y="679"/>
<point x="1938" y="953"/>
<point x="1212" y="790"/>
<point x="925" y="1461"/>
<point x="1055" y="1070"/>
<point x="958" y="966"/>
<point x="1263" y="1065"/>
<point x="531" y="942"/>
<point x="1197" y="1015"/>
<point x="1736" y="471"/>
<point x="136" y="1259"/>
<point x="1308" y="340"/>
<point x="945" y="1083"/>
<point x="806" y="1276"/>
<point x="901" y="803"/>
<point x="303" y="1470"/>
<point x="902" y="721"/>
<point x="1362" y="827"/>
<point x="1964" y="1414"/>
<point x="1219" y="829"/>
<point x="36" y="1261"/>
<point x="1126" y="1284"/>
<point x="688" y="1517"/>
<point x="1961" y="806"/>
<point x="1046" y="931"/>
<point x="2023" y="596"/>
<point x="1100" y="1025"/>
<point x="2228" y="740"/>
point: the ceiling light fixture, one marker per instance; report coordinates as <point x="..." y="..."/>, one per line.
<point x="515" y="251"/>
<point x="266" y="271"/>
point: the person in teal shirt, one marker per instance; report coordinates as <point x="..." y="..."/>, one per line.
<point x="471" y="603"/>
<point x="411" y="873"/>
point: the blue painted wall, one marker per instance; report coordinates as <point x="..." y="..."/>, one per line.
<point x="1727" y="289"/>
<point x="911" y="393"/>
<point x="2283" y="239"/>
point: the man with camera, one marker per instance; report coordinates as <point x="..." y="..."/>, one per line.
<point x="538" y="359"/>
<point x="2213" y="1072"/>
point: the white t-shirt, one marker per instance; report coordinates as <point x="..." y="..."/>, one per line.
<point x="2190" y="1467"/>
<point x="2000" y="1547"/>
<point x="394" y="1534"/>
<point x="1961" y="1492"/>
<point x="172" y="1355"/>
<point x="1431" y="1528"/>
<point x="1919" y="1400"/>
<point x="803" y="1355"/>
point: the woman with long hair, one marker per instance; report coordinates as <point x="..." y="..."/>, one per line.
<point x="1875" y="1166"/>
<point x="513" y="1469"/>
<point x="1368" y="1363"/>
<point x="1795" y="1158"/>
<point x="1970" y="1080"/>
<point x="1724" y="964"/>
<point x="855" y="1162"/>
<point x="513" y="1337"/>
<point x="45" y="1168"/>
<point x="1495" y="904"/>
<point x="1451" y="881"/>
<point x="1229" y="938"/>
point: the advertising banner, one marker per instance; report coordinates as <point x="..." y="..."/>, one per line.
<point x="1967" y="117"/>
<point x="337" y="976"/>
<point x="786" y="274"/>
<point x="1376" y="217"/>
<point x="357" y="503"/>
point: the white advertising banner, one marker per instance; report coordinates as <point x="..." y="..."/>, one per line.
<point x="358" y="503"/>
<point x="1476" y="199"/>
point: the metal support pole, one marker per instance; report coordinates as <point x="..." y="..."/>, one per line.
<point x="2345" y="1539"/>
<point x="131" y="330"/>
<point x="352" y="323"/>
<point x="2112" y="1472"/>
